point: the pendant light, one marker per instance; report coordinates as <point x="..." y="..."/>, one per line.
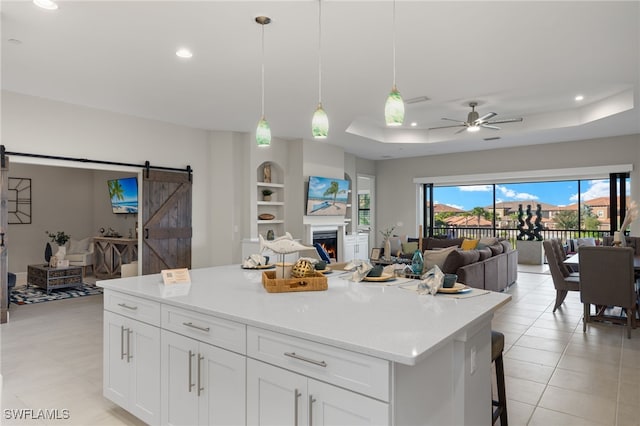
<point x="394" y="107"/>
<point x="263" y="132"/>
<point x="320" y="121"/>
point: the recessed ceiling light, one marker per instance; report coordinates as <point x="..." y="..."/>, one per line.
<point x="579" y="98"/>
<point x="184" y="53"/>
<point x="414" y="124"/>
<point x="46" y="4"/>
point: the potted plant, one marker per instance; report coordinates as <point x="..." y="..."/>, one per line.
<point x="266" y="194"/>
<point x="60" y="238"/>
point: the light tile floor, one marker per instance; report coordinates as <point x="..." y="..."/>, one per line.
<point x="555" y="373"/>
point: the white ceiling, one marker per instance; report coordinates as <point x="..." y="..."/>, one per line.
<point x="519" y="59"/>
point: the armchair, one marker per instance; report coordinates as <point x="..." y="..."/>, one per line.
<point x="80" y="253"/>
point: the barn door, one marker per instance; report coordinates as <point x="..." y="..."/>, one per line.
<point x="166" y="219"/>
<point x="4" y="263"/>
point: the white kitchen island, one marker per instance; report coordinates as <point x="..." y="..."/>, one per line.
<point x="222" y="350"/>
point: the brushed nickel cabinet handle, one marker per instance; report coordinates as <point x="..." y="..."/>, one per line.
<point x="191" y="355"/>
<point x="296" y="395"/>
<point x="311" y="401"/>
<point x="200" y="388"/>
<point x="124" y="305"/>
<point x="305" y="359"/>
<point x="197" y="327"/>
<point x="122" y="352"/>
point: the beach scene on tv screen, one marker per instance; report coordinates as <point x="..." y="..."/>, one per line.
<point x="124" y="195"/>
<point x="327" y="197"/>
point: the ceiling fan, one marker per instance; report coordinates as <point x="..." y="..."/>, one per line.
<point x="475" y="122"/>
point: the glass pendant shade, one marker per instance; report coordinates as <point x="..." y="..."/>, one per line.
<point x="263" y="133"/>
<point x="394" y="108"/>
<point x="320" y="123"/>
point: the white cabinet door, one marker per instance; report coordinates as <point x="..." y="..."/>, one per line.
<point x="179" y="393"/>
<point x="330" y="405"/>
<point x="275" y="396"/>
<point x="362" y="250"/>
<point x="349" y="248"/>
<point x="201" y="384"/>
<point x="115" y="366"/>
<point x="223" y="384"/>
<point x="132" y="366"/>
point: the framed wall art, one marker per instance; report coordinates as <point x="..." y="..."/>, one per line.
<point x="19" y="201"/>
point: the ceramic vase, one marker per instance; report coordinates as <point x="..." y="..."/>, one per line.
<point x="387" y="249"/>
<point x="61" y="253"/>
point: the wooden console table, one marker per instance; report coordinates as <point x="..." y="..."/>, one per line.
<point x="53" y="278"/>
<point x="111" y="253"/>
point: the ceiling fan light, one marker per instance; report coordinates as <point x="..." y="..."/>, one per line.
<point x="263" y="133"/>
<point x="473" y="128"/>
<point x="46" y="4"/>
<point x="320" y="123"/>
<point x="394" y="108"/>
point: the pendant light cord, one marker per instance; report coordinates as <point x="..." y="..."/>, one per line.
<point x="262" y="71"/>
<point x="394" y="42"/>
<point x="320" y="52"/>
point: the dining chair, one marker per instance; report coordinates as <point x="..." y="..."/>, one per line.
<point x="607" y="279"/>
<point x="563" y="280"/>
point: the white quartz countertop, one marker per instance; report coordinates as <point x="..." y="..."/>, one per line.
<point x="384" y="321"/>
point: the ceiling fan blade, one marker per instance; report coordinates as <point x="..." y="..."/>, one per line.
<point x="447" y="127"/>
<point x="457" y="121"/>
<point x="461" y="130"/>
<point x="487" y="126"/>
<point x="506" y="120"/>
<point x="486" y="117"/>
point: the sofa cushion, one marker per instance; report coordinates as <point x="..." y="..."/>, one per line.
<point x="79" y="246"/>
<point x="459" y="258"/>
<point x="434" y="243"/>
<point x="468" y="244"/>
<point x="496" y="249"/>
<point x="586" y="242"/>
<point x="506" y="245"/>
<point x="484" y="253"/>
<point x="436" y="257"/>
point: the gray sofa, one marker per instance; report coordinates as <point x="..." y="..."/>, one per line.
<point x="494" y="267"/>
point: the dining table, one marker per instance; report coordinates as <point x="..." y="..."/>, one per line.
<point x="574" y="260"/>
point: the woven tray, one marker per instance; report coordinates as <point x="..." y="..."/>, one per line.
<point x="317" y="282"/>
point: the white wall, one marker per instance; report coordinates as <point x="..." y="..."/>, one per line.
<point x="36" y="125"/>
<point x="396" y="192"/>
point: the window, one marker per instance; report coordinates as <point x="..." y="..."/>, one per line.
<point x="364" y="209"/>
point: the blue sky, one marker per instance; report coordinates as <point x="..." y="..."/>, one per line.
<point x="558" y="193"/>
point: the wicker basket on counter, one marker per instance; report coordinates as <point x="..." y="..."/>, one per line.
<point x="316" y="282"/>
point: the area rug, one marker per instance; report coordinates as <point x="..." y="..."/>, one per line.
<point x="26" y="296"/>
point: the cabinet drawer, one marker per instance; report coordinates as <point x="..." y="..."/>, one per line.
<point x="133" y="307"/>
<point x="206" y="328"/>
<point x="354" y="371"/>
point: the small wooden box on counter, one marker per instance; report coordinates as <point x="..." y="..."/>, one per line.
<point x="316" y="282"/>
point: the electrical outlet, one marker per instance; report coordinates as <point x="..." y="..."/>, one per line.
<point x="473" y="360"/>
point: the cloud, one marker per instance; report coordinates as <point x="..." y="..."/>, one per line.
<point x="510" y="193"/>
<point x="597" y="189"/>
<point x="476" y="188"/>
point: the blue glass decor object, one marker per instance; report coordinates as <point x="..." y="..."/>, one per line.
<point x="417" y="263"/>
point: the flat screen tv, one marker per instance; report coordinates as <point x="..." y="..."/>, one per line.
<point x="123" y="194"/>
<point x="327" y="196"/>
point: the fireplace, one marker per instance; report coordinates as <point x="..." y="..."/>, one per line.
<point x="328" y="240"/>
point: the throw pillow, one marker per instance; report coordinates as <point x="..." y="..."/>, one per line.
<point x="396" y="245"/>
<point x="496" y="249"/>
<point x="436" y="257"/>
<point x="506" y="245"/>
<point x="489" y="241"/>
<point x="484" y="253"/>
<point x="409" y="247"/>
<point x="322" y="252"/>
<point x="586" y="242"/>
<point x="469" y="244"/>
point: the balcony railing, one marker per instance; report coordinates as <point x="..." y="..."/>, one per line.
<point x="511" y="234"/>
